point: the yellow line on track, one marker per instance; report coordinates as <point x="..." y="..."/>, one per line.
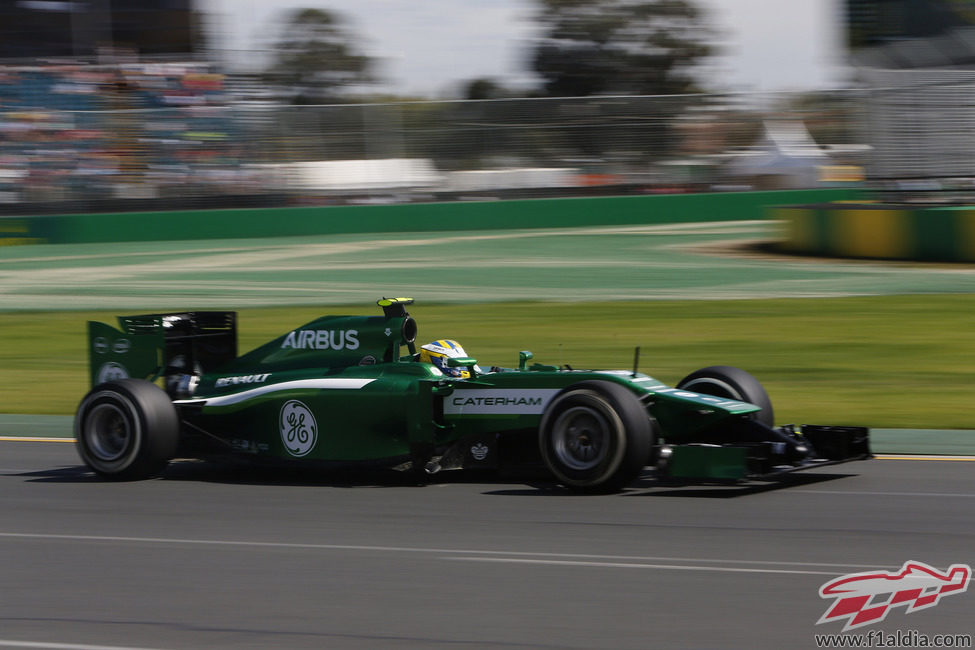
<point x="33" y="439"/>
<point x="968" y="459"/>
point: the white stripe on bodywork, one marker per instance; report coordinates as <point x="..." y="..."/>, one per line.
<point x="328" y="383"/>
<point x="498" y="401"/>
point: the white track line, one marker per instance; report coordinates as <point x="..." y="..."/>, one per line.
<point x="939" y="495"/>
<point x="637" y="565"/>
<point x="11" y="643"/>
<point x="479" y="554"/>
<point x="508" y="557"/>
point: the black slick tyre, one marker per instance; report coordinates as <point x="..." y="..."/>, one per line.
<point x="595" y="436"/>
<point x="126" y="429"/>
<point x="733" y="383"/>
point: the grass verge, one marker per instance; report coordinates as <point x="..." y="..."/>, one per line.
<point x="887" y="361"/>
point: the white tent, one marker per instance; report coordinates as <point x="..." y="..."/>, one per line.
<point x="357" y="175"/>
<point x="785" y="157"/>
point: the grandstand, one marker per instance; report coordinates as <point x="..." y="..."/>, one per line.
<point x="108" y="100"/>
<point x="37" y="30"/>
<point x="138" y="121"/>
<point x="84" y="132"/>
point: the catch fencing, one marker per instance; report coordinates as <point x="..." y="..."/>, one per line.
<point x="263" y="152"/>
<point x="78" y="139"/>
<point x="920" y="125"/>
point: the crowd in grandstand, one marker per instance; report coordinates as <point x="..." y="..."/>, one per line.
<point x="73" y="132"/>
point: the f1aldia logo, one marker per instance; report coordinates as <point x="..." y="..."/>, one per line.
<point x="299" y="431"/>
<point x="866" y="598"/>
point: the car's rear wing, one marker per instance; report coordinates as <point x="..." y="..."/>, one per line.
<point x="150" y="345"/>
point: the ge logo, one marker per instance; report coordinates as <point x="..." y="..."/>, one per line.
<point x="112" y="371"/>
<point x="299" y="431"/>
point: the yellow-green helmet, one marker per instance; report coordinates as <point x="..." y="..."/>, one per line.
<point x="437" y="353"/>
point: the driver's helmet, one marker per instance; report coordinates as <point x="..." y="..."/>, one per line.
<point x="439" y="351"/>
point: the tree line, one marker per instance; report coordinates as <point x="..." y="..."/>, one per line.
<point x="584" y="48"/>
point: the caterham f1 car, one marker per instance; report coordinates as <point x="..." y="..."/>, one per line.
<point x="342" y="390"/>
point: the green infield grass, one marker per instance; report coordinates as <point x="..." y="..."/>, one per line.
<point x="904" y="361"/>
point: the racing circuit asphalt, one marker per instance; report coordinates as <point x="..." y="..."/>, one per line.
<point x="218" y="557"/>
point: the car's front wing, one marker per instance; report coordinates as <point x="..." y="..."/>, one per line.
<point x="766" y="453"/>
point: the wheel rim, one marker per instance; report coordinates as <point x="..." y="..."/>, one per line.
<point x="108" y="432"/>
<point x="580" y="438"/>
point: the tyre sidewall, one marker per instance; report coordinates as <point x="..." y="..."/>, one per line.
<point x="628" y="436"/>
<point x="151" y="427"/>
<point x="735" y="383"/>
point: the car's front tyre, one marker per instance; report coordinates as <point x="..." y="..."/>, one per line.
<point x="733" y="383"/>
<point x="126" y="429"/>
<point x="595" y="436"/>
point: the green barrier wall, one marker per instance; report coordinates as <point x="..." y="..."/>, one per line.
<point x="412" y="217"/>
<point x="932" y="234"/>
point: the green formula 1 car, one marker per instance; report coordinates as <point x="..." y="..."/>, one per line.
<point x="355" y="389"/>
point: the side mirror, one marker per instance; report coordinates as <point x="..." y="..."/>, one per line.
<point x="523" y="358"/>
<point x="462" y="362"/>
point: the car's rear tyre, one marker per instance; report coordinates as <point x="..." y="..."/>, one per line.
<point x="595" y="436"/>
<point x="126" y="429"/>
<point x="733" y="383"/>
